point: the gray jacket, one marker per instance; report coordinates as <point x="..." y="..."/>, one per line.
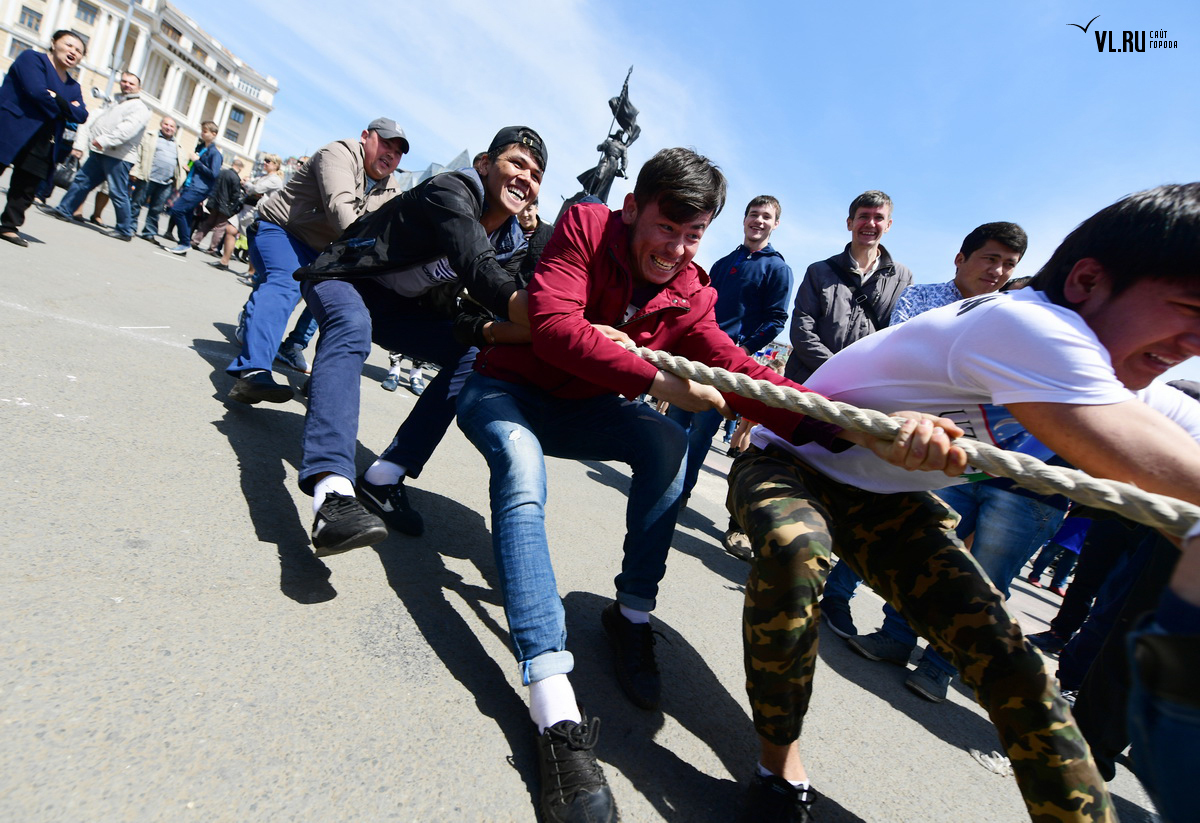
<point x="826" y="317"/>
<point x="118" y="129"/>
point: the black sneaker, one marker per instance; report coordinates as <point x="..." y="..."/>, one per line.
<point x="573" y="784"/>
<point x="259" y="386"/>
<point x="1048" y="641"/>
<point x="774" y="800"/>
<point x="633" y="647"/>
<point x="836" y="612"/>
<point x="391" y="503"/>
<point x="342" y="524"/>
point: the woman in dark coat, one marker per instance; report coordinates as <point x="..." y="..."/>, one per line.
<point x="37" y="99"/>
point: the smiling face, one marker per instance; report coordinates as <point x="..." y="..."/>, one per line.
<point x="167" y="127"/>
<point x="660" y="248"/>
<point x="381" y="157"/>
<point x="987" y="269"/>
<point x="67" y="51"/>
<point x="868" y="225"/>
<point x="758" y="224"/>
<point x="512" y="180"/>
<point x="1147" y="329"/>
<point x="528" y="217"/>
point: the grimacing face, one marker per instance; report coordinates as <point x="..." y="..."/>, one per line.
<point x="381" y="157"/>
<point x="660" y="248"/>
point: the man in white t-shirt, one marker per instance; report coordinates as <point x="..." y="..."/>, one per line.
<point x="1069" y="361"/>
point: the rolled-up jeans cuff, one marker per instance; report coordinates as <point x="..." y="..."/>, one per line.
<point x="546" y="665"/>
<point x="632" y="601"/>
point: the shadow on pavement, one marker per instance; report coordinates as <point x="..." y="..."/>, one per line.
<point x="954" y="724"/>
<point x="265" y="439"/>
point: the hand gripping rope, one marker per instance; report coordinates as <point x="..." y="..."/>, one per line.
<point x="1159" y="511"/>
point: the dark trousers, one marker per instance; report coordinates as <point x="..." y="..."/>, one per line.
<point x="154" y="197"/>
<point x="22" y="187"/>
<point x="1107" y="542"/>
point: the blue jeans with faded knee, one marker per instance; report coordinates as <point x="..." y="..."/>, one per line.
<point x="515" y="427"/>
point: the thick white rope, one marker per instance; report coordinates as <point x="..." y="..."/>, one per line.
<point x="1162" y="512"/>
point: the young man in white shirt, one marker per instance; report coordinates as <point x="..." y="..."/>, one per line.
<point x="1065" y="366"/>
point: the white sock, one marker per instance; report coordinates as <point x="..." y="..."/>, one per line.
<point x="414" y="373"/>
<point x="330" y="483"/>
<point x="803" y="785"/>
<point x="384" y="473"/>
<point x="552" y="700"/>
<point x="633" y="615"/>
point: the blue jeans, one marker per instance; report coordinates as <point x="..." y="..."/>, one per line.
<point x="276" y="255"/>
<point x="515" y="427"/>
<point x="1008" y="529"/>
<point x="1066" y="562"/>
<point x="700" y="428"/>
<point x="352" y="315"/>
<point x="96" y="169"/>
<point x="185" y="205"/>
<point x="154" y="196"/>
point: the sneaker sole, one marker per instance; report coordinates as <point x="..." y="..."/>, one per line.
<point x="606" y="617"/>
<point x="916" y="687"/>
<point x="836" y="630"/>
<point x="367" y="537"/>
<point x="852" y="642"/>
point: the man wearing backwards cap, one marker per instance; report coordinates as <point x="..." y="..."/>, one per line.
<point x="457" y="229"/>
<point x="342" y="182"/>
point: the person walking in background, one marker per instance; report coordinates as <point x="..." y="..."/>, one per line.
<point x="37" y="99"/>
<point x="205" y="166"/>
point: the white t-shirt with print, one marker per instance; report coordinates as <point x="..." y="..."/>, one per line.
<point x="965" y="361"/>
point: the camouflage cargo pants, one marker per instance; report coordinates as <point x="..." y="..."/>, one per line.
<point x="903" y="546"/>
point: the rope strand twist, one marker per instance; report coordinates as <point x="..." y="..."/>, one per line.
<point x="1159" y="511"/>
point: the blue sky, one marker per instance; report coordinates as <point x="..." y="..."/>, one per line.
<point x="963" y="112"/>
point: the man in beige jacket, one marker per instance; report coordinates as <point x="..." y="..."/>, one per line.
<point x="160" y="169"/>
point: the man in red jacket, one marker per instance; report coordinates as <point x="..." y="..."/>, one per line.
<point x="606" y="275"/>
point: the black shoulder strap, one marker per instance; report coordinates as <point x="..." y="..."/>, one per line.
<point x="859" y="295"/>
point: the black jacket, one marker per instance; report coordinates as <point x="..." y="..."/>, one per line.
<point x="227" y="194"/>
<point x="438" y="218"/>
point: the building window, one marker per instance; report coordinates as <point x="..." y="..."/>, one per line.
<point x="199" y="53"/>
<point x="237" y="115"/>
<point x="252" y="91"/>
<point x="183" y="100"/>
<point x="18" y="46"/>
<point x="222" y="71"/>
<point x="231" y="135"/>
<point x="30" y="19"/>
<point x="87" y="13"/>
<point x="170" y="32"/>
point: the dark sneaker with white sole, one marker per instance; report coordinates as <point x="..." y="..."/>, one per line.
<point x="342" y="523"/>
<point x="633" y="648"/>
<point x="929" y="681"/>
<point x="775" y="800"/>
<point x="574" y="788"/>
<point x="391" y="503"/>
<point x="836" y="612"/>
<point x="881" y="646"/>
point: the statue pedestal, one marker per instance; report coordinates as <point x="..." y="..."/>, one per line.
<point x="580" y="197"/>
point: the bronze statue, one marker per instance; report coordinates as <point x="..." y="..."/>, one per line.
<point x="614" y="151"/>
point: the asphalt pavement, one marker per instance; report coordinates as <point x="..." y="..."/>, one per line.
<point x="170" y="648"/>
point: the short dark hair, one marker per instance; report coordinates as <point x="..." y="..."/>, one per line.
<point x="209" y="125"/>
<point x="61" y="33"/>
<point x="1151" y="235"/>
<point x="684" y="184"/>
<point x="1009" y="235"/>
<point x="763" y="200"/>
<point x="870" y="199"/>
<point x="1016" y="283"/>
<point x="134" y="76"/>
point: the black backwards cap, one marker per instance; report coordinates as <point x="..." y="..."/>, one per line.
<point x="522" y="136"/>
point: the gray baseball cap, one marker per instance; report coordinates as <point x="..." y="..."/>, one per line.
<point x="386" y="128"/>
